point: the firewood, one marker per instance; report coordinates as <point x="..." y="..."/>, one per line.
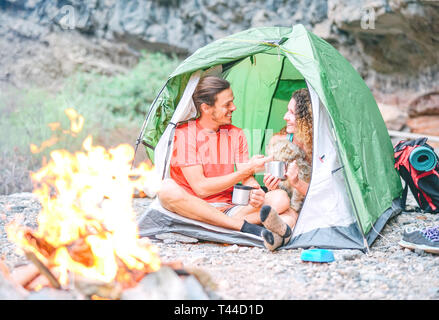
<point x="23" y="275"/>
<point x="127" y="277"/>
<point x="41" y="245"/>
<point x="39" y="282"/>
<point x="4" y="269"/>
<point x="43" y="269"/>
<point x="81" y="252"/>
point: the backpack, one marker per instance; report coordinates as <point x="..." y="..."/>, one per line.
<point x="424" y="185"/>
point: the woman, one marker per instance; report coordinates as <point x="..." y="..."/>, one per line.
<point x="294" y="145"/>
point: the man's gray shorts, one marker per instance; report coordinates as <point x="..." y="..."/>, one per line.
<point x="230" y="211"/>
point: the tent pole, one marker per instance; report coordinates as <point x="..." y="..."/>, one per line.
<point x="145" y="121"/>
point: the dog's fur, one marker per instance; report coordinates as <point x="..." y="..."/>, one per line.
<point x="284" y="150"/>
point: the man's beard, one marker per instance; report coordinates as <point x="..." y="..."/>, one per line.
<point x="217" y="118"/>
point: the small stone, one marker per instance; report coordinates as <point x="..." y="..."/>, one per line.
<point x="197" y="259"/>
<point x="278" y="269"/>
<point x="232" y="249"/>
<point x="420" y="252"/>
<point x="348" y="255"/>
<point x="243" y="249"/>
<point x="216" y="261"/>
<point x="418" y="268"/>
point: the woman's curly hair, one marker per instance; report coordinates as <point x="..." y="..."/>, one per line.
<point x="304" y="118"/>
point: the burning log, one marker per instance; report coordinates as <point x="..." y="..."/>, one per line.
<point x="9" y="289"/>
<point x="24" y="275"/>
<point x="4" y="269"/>
<point x="43" y="269"/>
<point x="41" y="245"/>
<point x="172" y="281"/>
<point x="80" y="251"/>
<point x="32" y="276"/>
<point x="38" y="283"/>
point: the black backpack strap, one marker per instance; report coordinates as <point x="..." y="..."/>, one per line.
<point x="404" y="197"/>
<point x="404" y="201"/>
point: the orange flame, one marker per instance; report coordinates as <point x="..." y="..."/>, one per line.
<point x="76" y="125"/>
<point x="46" y="144"/>
<point x="76" y="120"/>
<point x="87" y="221"/>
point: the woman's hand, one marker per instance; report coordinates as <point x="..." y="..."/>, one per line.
<point x="293" y="174"/>
<point x="270" y="181"/>
<point x="293" y="177"/>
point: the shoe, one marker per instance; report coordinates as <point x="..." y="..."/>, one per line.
<point x="426" y="239"/>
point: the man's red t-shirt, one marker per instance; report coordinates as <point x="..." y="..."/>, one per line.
<point x="217" y="152"/>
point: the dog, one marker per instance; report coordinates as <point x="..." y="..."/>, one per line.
<point x="283" y="150"/>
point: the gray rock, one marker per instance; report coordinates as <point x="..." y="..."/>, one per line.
<point x="163" y="284"/>
<point x="172" y="237"/>
<point x="361" y="31"/>
<point x="53" y="294"/>
<point x="10" y="291"/>
<point x="347" y="255"/>
<point x="194" y="290"/>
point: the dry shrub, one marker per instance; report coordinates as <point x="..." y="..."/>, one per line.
<point x="15" y="172"/>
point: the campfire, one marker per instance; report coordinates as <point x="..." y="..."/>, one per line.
<point x="87" y="236"/>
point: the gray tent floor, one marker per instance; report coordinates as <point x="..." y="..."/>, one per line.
<point x="156" y="220"/>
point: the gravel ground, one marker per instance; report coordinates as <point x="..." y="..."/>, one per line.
<point x="239" y="272"/>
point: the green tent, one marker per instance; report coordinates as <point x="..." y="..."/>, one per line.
<point x="356" y="189"/>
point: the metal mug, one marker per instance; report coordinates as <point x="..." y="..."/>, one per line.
<point x="277" y="169"/>
<point x="241" y="194"/>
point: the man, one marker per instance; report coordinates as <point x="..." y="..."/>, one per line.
<point x="206" y="151"/>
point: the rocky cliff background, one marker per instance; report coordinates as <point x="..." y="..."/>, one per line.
<point x="394" y="44"/>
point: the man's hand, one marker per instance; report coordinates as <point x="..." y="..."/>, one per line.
<point x="257" y="198"/>
<point x="270" y="181"/>
<point x="257" y="162"/>
<point x="251" y="182"/>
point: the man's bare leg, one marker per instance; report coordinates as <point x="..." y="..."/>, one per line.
<point x="176" y="199"/>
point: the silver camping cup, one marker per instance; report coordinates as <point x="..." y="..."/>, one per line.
<point x="277" y="169"/>
<point x="241" y="194"/>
